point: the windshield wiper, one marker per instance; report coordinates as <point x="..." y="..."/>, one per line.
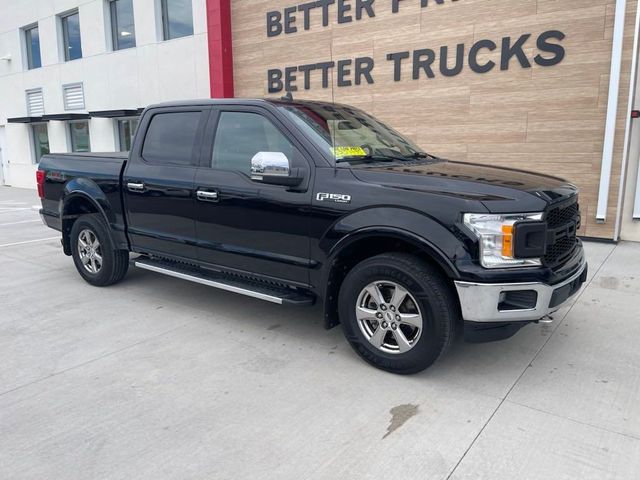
<point x="421" y="155"/>
<point x="385" y="157"/>
<point x="367" y="158"/>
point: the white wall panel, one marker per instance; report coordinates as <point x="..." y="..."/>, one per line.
<point x="49" y="41"/>
<point x="92" y="29"/>
<point x="58" y="137"/>
<point x="10" y="45"/>
<point x="96" y="83"/>
<point x="102" y="135"/>
<point x="123" y="78"/>
<point x="175" y="62"/>
<point x="148" y="78"/>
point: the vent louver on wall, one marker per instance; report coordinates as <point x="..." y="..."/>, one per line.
<point x="73" y="95"/>
<point x="35" y="102"/>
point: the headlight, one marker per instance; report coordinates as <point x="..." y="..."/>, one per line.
<point x="495" y="235"/>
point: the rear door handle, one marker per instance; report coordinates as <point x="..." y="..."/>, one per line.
<point x="135" y="186"/>
<point x="207" y="196"/>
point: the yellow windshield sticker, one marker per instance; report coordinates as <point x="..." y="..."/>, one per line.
<point x="341" y="152"/>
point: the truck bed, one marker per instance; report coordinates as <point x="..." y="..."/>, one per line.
<point x="74" y="174"/>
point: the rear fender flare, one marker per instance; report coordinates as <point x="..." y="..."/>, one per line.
<point x="89" y="191"/>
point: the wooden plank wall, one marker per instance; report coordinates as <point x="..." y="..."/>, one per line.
<point x="546" y="119"/>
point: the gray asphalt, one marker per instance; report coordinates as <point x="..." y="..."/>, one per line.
<point x="160" y="378"/>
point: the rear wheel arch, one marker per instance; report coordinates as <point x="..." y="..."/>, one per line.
<point x="72" y="207"/>
<point x="366" y="244"/>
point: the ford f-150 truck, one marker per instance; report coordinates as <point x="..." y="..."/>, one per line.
<point x="295" y="202"/>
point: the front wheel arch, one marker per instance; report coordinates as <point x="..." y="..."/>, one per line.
<point x="368" y="243"/>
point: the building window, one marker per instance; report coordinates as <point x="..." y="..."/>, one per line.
<point x="177" y="18"/>
<point x="32" y="43"/>
<point x="40" y="135"/>
<point x="126" y="130"/>
<point x="79" y="134"/>
<point x="123" y="30"/>
<point x="71" y="42"/>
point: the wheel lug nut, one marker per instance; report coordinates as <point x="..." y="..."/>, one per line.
<point x="393" y="309"/>
<point x="383" y="307"/>
<point x="385" y="324"/>
<point x="394" y="326"/>
<point x="398" y="317"/>
<point x="378" y="315"/>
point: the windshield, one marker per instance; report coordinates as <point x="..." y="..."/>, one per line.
<point x="349" y="135"/>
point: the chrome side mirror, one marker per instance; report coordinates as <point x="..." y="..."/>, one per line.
<point x="274" y="168"/>
<point x="269" y="164"/>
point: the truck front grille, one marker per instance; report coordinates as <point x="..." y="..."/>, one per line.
<point x="561" y="216"/>
<point x="562" y="225"/>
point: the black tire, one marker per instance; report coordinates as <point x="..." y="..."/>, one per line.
<point x="435" y="299"/>
<point x="115" y="263"/>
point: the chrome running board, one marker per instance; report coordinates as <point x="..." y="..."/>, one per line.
<point x="230" y="283"/>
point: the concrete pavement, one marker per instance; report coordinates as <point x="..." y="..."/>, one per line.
<point x="160" y="378"/>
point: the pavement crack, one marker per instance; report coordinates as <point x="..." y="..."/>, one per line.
<point x="535" y="356"/>
<point x="586" y="424"/>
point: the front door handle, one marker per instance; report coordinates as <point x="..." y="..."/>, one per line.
<point x="207" y="196"/>
<point x="135" y="186"/>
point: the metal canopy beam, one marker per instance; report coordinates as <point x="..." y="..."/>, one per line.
<point x="26" y="120"/>
<point x="115" y="113"/>
<point x="66" y="116"/>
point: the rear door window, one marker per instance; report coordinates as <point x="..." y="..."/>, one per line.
<point x="171" y="138"/>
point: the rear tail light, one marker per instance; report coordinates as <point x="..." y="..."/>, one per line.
<point x="40" y="177"/>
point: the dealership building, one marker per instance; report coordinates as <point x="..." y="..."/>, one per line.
<point x="543" y="85"/>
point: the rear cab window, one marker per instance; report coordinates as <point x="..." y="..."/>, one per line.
<point x="172" y="137"/>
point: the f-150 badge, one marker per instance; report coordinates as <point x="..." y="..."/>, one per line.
<point x="333" y="197"/>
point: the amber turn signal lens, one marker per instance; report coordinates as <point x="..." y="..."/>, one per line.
<point x="507" y="241"/>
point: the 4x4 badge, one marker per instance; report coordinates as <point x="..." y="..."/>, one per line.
<point x="333" y="197"/>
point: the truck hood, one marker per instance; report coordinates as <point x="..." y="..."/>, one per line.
<point x="498" y="188"/>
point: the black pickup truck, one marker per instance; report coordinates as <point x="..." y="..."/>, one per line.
<point x="295" y="202"/>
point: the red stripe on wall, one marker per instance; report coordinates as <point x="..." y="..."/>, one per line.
<point x="220" y="48"/>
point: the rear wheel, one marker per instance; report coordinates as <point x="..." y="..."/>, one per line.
<point x="398" y="312"/>
<point x="94" y="253"/>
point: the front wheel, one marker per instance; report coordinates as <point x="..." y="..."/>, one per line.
<point x="398" y="312"/>
<point x="94" y="253"/>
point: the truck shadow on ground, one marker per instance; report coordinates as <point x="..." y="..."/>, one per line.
<point x="489" y="365"/>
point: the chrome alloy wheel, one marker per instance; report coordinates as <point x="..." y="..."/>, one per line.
<point x="389" y="317"/>
<point x="90" y="251"/>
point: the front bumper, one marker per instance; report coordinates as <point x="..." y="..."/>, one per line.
<point x="480" y="302"/>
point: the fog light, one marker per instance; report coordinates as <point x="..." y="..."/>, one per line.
<point x="518" y="300"/>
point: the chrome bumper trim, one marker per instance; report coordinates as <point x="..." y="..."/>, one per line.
<point x="479" y="301"/>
